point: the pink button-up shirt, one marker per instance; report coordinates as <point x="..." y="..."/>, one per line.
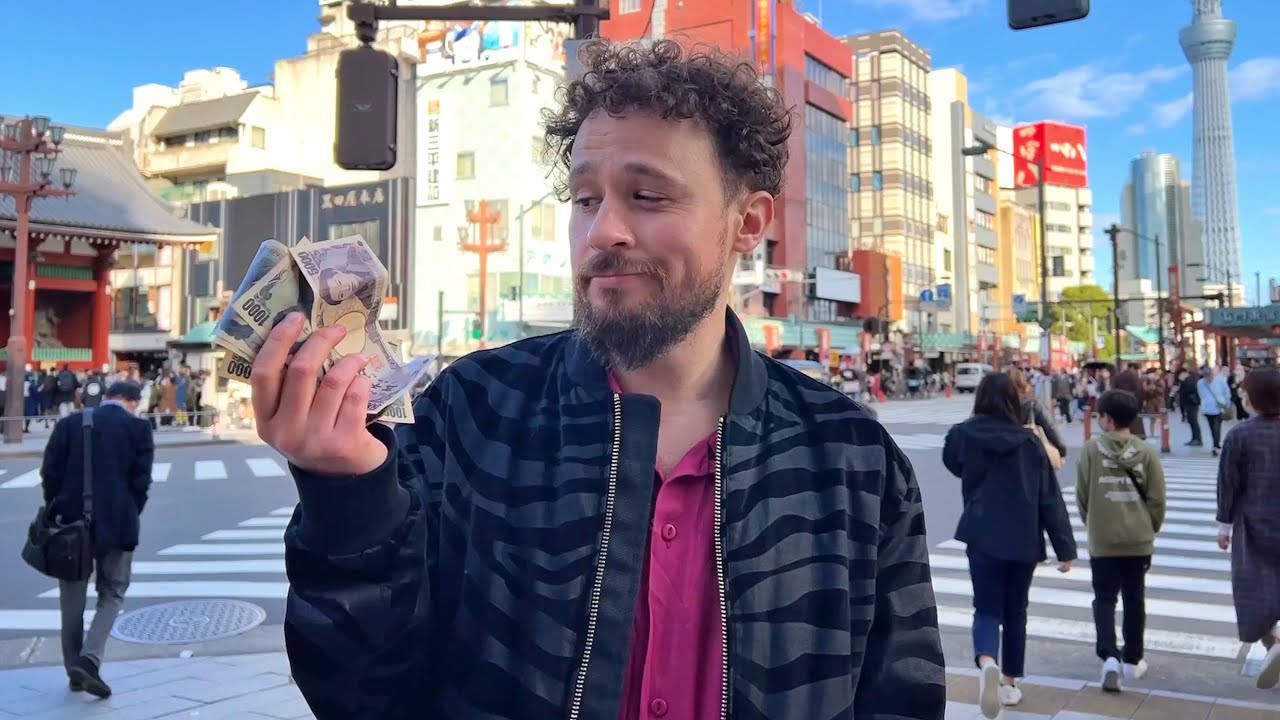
<point x="676" y="656"/>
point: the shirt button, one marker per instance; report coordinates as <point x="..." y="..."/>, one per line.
<point x="658" y="706"/>
<point x="668" y="534"/>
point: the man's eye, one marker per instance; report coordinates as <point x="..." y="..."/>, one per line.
<point x="584" y="201"/>
<point x="648" y="197"/>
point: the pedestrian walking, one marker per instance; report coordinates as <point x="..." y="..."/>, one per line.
<point x="626" y="520"/>
<point x="1011" y="500"/>
<point x="64" y="391"/>
<point x="1062" y="393"/>
<point x="1120" y="492"/>
<point x="122" y="449"/>
<point x="1215" y="402"/>
<point x="1234" y="379"/>
<point x="91" y="395"/>
<point x="1034" y="418"/>
<point x="1189" y="401"/>
<point x="1249" y="517"/>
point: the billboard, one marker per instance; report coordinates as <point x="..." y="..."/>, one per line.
<point x="1065" y="160"/>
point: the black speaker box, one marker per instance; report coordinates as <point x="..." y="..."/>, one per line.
<point x="368" y="84"/>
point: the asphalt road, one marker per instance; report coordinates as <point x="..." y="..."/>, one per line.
<point x="212" y="529"/>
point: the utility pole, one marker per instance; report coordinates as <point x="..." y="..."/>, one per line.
<point x="1046" y="354"/>
<point x="1113" y="232"/>
<point x="1159" y="305"/>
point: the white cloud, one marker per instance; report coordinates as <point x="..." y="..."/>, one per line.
<point x="1085" y="91"/>
<point x="929" y="10"/>
<point x="1254" y="79"/>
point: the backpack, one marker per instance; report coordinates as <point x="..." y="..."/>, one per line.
<point x="66" y="381"/>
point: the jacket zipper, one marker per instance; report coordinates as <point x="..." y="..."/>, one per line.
<point x="593" y="604"/>
<point x="724" y="598"/>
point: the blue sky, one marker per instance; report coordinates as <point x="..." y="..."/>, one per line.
<point x="1120" y="72"/>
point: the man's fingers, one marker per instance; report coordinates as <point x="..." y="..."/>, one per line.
<point x="303" y="372"/>
<point x="268" y="367"/>
<point x="354" y="408"/>
<point x="333" y="388"/>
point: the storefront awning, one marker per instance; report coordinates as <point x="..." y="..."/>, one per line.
<point x="946" y="342"/>
<point x="1143" y="333"/>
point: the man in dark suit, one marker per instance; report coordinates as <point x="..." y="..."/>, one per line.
<point x="122" y="448"/>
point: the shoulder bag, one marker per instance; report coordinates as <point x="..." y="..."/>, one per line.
<point x="65" y="550"/>
<point x="1133" y="478"/>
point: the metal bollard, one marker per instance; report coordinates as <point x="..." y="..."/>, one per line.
<point x="1165" y="445"/>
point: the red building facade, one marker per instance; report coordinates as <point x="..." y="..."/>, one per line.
<point x="809" y="67"/>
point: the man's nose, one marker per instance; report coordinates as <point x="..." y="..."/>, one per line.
<point x="609" y="227"/>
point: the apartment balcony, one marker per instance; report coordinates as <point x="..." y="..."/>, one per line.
<point x="983" y="167"/>
<point x="1085" y="219"/>
<point x="1084" y="196"/>
<point x="183" y="159"/>
<point x="1086" y="263"/>
<point x="984" y="202"/>
<point x="988" y="276"/>
<point x="985" y="238"/>
<point x="1085" y="242"/>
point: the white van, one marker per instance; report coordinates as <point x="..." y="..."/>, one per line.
<point x="968" y="375"/>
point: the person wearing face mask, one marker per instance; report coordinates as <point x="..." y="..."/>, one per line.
<point x="1249" y="517"/>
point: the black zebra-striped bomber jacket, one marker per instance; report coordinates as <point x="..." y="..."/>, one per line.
<point x="490" y="568"/>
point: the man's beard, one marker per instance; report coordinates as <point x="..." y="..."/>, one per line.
<point x="628" y="338"/>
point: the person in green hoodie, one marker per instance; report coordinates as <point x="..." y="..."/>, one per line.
<point x="1121" y="493"/>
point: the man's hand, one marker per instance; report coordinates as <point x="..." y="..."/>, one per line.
<point x="317" y="426"/>
<point x="1224" y="541"/>
<point x="1064" y="567"/>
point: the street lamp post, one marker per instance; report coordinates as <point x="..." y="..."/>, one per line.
<point x="29" y="148"/>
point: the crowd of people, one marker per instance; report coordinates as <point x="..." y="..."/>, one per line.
<point x="170" y="397"/>
<point x="1007" y="456"/>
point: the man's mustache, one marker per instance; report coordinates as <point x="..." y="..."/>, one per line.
<point x="618" y="263"/>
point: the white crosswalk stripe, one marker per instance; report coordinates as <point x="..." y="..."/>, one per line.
<point x="265" y="467"/>
<point x="919" y="441"/>
<point x="28" y="479"/>
<point x="210" y="470"/>
<point x="938" y="411"/>
<point x="160" y="471"/>
<point x="1188" y="599"/>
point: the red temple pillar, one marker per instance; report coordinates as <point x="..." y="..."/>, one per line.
<point x="101" y="328"/>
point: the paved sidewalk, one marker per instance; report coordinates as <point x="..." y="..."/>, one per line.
<point x="258" y="686"/>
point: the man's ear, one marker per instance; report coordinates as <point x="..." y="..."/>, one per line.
<point x="756" y="210"/>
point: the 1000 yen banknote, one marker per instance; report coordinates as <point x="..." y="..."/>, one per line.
<point x="231" y="332"/>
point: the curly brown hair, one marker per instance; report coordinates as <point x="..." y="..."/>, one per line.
<point x="748" y="121"/>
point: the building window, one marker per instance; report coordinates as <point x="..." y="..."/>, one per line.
<point x="370" y="230"/>
<point x="628" y="6"/>
<point x="875" y="134"/>
<point x="202" y="137"/>
<point x="853" y="137"/>
<point x="259" y="137"/>
<point x="821" y="74"/>
<point x="946" y="260"/>
<point x="984" y="220"/>
<point x="855" y="183"/>
<point x="466" y="166"/>
<point x="877" y="180"/>
<point x="498" y="91"/>
<point x="437" y="234"/>
<point x="229" y="134"/>
<point x="1058" y="266"/>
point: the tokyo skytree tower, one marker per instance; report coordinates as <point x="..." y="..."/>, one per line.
<point x="1207" y="43"/>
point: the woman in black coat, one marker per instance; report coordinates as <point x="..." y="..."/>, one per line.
<point x="1011" y="499"/>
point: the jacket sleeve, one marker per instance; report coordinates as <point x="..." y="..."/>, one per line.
<point x="1230" y="477"/>
<point x="1153" y="473"/>
<point x="1053" y="513"/>
<point x="54" y="466"/>
<point x="1084" y="482"/>
<point x="951" y="453"/>
<point x="360" y="552"/>
<point x="140" y="473"/>
<point x="903" y="676"/>
<point x="1050" y="432"/>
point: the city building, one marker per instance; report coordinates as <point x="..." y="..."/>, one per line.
<point x="890" y="168"/>
<point x="810" y="236"/>
<point x="479" y="82"/>
<point x="1207" y="43"/>
<point x="1068" y="201"/>
<point x="380" y="212"/>
<point x="1018" y="261"/>
<point x="214" y="136"/>
<point x="965" y="242"/>
<point x="1156" y="206"/>
<point x="102" y="286"/>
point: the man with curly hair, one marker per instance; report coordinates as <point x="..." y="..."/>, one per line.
<point x="638" y="518"/>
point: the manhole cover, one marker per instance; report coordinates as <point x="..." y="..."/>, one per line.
<point x="187" y="621"/>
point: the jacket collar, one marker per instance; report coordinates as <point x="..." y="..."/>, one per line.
<point x="749" y="381"/>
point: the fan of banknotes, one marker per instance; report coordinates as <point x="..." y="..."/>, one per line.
<point x="345" y="283"/>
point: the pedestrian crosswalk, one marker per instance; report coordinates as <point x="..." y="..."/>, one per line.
<point x="1188" y="600"/>
<point x="934" y="411"/>
<point x="919" y="441"/>
<point x="200" y="470"/>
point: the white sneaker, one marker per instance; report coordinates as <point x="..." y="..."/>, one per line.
<point x="1137" y="671"/>
<point x="1111" y="673"/>
<point x="989" y="690"/>
<point x="1270" y="673"/>
<point x="1010" y="695"/>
